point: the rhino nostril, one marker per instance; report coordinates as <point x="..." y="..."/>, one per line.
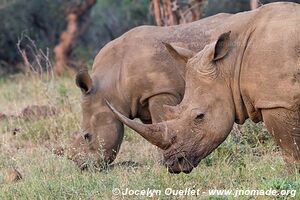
<point x="180" y="160"/>
<point x="200" y="116"/>
<point x="88" y="137"/>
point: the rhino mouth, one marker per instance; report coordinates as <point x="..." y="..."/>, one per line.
<point x="180" y="163"/>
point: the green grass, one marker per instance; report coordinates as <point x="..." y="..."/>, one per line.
<point x="248" y="159"/>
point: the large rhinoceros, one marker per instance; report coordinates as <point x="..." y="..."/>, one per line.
<point x="136" y="73"/>
<point x="252" y="70"/>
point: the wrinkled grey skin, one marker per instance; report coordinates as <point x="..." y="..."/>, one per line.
<point x="251" y="70"/>
<point x="138" y="76"/>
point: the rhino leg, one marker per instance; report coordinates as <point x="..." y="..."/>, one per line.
<point x="156" y="106"/>
<point x="284" y="125"/>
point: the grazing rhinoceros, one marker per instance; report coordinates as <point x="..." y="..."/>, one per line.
<point x="137" y="74"/>
<point x="251" y="72"/>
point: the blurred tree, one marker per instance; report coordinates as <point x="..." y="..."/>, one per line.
<point x="170" y="18"/>
<point x="253" y="4"/>
<point x="213" y="7"/>
<point x="43" y="21"/>
<point x="157" y="12"/>
<point x="196" y="7"/>
<point x="109" y="20"/>
<point x="76" y="12"/>
<point x="172" y="12"/>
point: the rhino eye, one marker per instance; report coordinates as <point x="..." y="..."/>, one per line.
<point x="200" y="116"/>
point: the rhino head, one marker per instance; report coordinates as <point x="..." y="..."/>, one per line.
<point x="99" y="141"/>
<point x="203" y="119"/>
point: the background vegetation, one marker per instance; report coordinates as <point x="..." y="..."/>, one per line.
<point x="44" y="20"/>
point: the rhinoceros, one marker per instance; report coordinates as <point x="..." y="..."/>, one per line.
<point x="251" y="70"/>
<point x="136" y="73"/>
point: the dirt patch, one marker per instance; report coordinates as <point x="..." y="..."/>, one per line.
<point x="12" y="175"/>
<point x="3" y="116"/>
<point x="32" y="112"/>
<point x="37" y="112"/>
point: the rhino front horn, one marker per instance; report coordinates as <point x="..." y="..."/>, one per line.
<point x="154" y="133"/>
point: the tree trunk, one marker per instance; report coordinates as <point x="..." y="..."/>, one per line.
<point x="157" y="12"/>
<point x="64" y="48"/>
<point x="196" y="9"/>
<point x="253" y="4"/>
<point x="170" y="13"/>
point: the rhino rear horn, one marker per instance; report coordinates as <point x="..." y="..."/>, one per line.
<point x="179" y="53"/>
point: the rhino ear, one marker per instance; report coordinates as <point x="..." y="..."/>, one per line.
<point x="221" y="47"/>
<point x="84" y="81"/>
<point x="179" y="53"/>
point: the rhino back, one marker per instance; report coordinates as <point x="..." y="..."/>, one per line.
<point x="137" y="65"/>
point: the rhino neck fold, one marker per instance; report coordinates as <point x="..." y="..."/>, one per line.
<point x="240" y="108"/>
